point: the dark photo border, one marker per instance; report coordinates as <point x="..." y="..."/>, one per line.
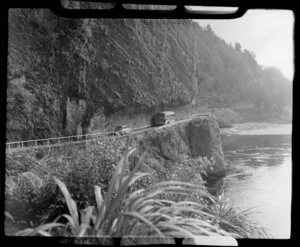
<point x="119" y="12"/>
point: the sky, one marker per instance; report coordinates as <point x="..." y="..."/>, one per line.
<point x="267" y="33"/>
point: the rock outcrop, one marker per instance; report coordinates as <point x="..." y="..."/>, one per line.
<point x="199" y="137"/>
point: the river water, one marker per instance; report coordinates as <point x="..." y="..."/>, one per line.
<point x="265" y="185"/>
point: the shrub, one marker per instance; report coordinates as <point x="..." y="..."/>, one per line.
<point x="21" y="191"/>
<point x="80" y="170"/>
<point x="30" y="190"/>
<point x="139" y="213"/>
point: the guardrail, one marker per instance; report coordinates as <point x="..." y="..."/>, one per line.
<point x="56" y="141"/>
<point x="203" y="114"/>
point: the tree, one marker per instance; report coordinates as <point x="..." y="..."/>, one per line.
<point x="250" y="53"/>
<point x="209" y="29"/>
<point x="238" y="47"/>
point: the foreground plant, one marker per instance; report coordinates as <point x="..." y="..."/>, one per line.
<point x="142" y="212"/>
<point x="240" y="219"/>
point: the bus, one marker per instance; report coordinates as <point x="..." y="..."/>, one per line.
<point x="163" y="118"/>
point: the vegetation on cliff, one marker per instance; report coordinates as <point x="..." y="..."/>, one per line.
<point x="173" y="153"/>
<point x="169" y="208"/>
<point x="62" y="73"/>
<point x="189" y="152"/>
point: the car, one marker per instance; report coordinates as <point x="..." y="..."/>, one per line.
<point x="122" y="130"/>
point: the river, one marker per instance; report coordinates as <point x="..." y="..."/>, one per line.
<point x="265" y="158"/>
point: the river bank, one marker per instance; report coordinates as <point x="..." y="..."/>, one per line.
<point x="258" y="129"/>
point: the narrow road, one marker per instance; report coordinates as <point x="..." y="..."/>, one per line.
<point x="68" y="140"/>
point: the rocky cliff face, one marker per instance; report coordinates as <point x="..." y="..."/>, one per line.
<point x="76" y="71"/>
<point x="73" y="76"/>
<point x="194" y="139"/>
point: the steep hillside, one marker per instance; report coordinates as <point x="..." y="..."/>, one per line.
<point x="190" y="151"/>
<point x="68" y="76"/>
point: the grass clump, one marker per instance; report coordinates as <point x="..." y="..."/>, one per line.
<point x="236" y="220"/>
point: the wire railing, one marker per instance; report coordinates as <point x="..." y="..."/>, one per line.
<point x="56" y="141"/>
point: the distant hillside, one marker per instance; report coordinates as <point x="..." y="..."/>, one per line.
<point x="68" y="76"/>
